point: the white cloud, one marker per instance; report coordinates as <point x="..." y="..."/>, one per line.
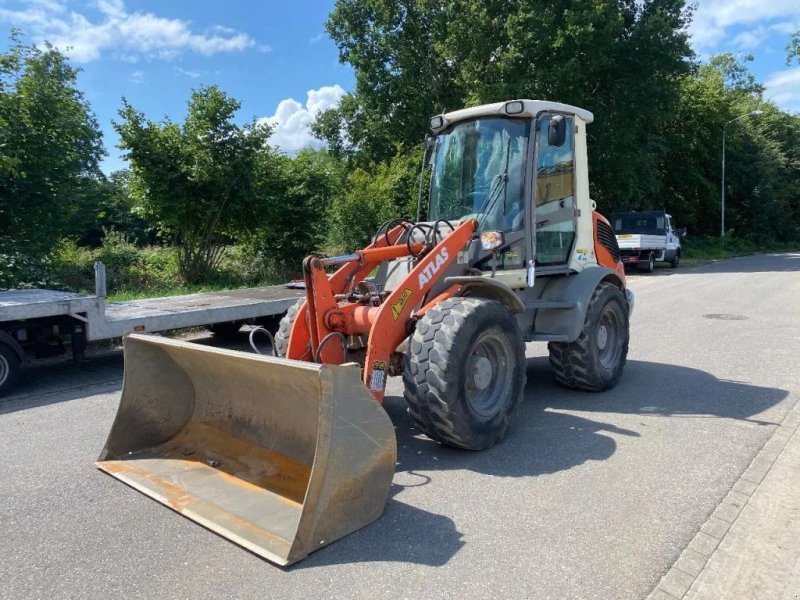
<point x="713" y="18"/>
<point x="126" y="34"/>
<point x="291" y="121"/>
<point x="137" y="77"/>
<point x="191" y="73"/>
<point x="317" y="38"/>
<point x="783" y="88"/>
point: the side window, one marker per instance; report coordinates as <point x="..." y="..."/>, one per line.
<point x="669" y="225"/>
<point x="555" y="195"/>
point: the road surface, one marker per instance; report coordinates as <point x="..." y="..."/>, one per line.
<point x="590" y="496"/>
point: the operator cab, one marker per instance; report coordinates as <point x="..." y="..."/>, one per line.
<point x="481" y="168"/>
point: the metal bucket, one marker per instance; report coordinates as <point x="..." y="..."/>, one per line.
<point x="280" y="456"/>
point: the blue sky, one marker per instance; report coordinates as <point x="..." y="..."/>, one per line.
<point x="276" y="58"/>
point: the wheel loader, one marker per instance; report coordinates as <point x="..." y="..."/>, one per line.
<point x="286" y="454"/>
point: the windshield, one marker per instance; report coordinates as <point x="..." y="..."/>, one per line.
<point x="479" y="171"/>
<point x="639" y="223"/>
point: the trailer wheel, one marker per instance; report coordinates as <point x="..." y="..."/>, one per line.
<point x="10" y="365"/>
<point x="594" y="362"/>
<point x="465" y="372"/>
<point x="285" y="329"/>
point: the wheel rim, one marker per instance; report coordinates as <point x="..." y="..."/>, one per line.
<point x="609" y="337"/>
<point x="489" y="374"/>
<point x="5" y="369"/>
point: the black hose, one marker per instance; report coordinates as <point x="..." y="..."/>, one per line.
<point x="268" y="334"/>
<point x="325" y="340"/>
<point x="409" y="236"/>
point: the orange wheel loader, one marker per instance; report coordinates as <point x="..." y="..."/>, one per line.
<point x="285" y="454"/>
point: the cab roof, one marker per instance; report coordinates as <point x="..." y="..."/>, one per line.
<point x="530" y="108"/>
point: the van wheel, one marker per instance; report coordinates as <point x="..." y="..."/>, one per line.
<point x="10" y="366"/>
<point x="650" y="265"/>
<point x="464" y="372"/>
<point x="594" y="362"/>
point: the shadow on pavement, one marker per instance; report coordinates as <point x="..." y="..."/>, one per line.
<point x="544" y="440"/>
<point x="757" y="263"/>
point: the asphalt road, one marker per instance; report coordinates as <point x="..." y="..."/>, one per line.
<point x="590" y="496"/>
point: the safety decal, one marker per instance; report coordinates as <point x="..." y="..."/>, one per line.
<point x="378" y="376"/>
<point x="397" y="307"/>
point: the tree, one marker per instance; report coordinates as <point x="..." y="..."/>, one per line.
<point x="296" y="196"/>
<point x="620" y="58"/>
<point x="198" y="179"/>
<point x="373" y="195"/>
<point x="793" y="48"/>
<point x="50" y="148"/>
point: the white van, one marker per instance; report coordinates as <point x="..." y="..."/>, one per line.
<point x="646" y="237"/>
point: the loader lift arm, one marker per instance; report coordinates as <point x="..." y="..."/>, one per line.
<point x="333" y="311"/>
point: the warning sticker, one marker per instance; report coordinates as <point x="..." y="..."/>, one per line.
<point x="378" y="376"/>
<point x="397" y="307"/>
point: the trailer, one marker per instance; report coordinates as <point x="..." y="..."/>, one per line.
<point x="39" y="323"/>
<point x="645" y="237"/>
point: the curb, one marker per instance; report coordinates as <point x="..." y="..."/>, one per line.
<point x="679" y="579"/>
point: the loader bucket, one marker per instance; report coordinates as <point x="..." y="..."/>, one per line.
<point x="279" y="456"/>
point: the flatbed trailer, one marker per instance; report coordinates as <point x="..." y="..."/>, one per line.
<point x="36" y="323"/>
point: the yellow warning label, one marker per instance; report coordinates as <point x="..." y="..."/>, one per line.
<point x="397" y="307"/>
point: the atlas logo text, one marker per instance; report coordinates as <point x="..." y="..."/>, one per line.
<point x="433" y="267"/>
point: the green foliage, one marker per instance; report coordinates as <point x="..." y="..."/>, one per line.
<point x="793" y="48"/>
<point x="50" y="146"/>
<point x="295" y="195"/>
<point x="134" y="271"/>
<point x="115" y="209"/>
<point x="198" y="179"/>
<point x="373" y="195"/>
<point x="414" y="59"/>
<point x="731" y="245"/>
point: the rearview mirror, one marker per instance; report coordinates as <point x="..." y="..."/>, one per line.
<point x="558" y="131"/>
<point x="682" y="232"/>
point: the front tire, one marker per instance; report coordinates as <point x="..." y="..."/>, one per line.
<point x="594" y="362"/>
<point x="465" y="372"/>
<point x="285" y="329"/>
<point x="676" y="262"/>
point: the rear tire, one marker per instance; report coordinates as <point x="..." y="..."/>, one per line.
<point x="10" y="366"/>
<point x="285" y="329"/>
<point x="465" y="372"/>
<point x="650" y="265"/>
<point x="594" y="362"/>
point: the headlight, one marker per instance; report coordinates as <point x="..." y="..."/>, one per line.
<point x="491" y="240"/>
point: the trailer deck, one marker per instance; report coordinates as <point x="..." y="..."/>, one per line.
<point x="175" y="312"/>
<point x="38" y="322"/>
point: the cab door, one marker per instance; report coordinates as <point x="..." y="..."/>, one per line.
<point x="673" y="242"/>
<point x="554" y="193"/>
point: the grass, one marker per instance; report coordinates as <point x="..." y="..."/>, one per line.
<point x="714" y="248"/>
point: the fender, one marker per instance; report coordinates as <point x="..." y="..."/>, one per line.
<point x="577" y="288"/>
<point x="486" y="287"/>
<point x="6" y="338"/>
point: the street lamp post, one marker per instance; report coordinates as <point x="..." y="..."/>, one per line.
<point x="724" y="128"/>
